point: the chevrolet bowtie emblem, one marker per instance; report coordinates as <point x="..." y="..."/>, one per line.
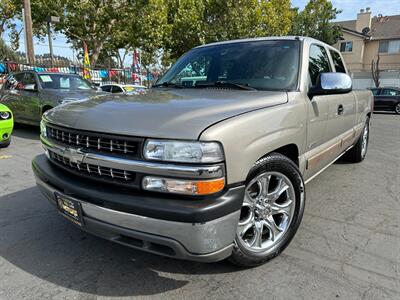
<point x="74" y="155"/>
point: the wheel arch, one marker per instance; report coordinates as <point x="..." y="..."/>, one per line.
<point x="46" y="108"/>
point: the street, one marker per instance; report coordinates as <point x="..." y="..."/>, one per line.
<point x="347" y="247"/>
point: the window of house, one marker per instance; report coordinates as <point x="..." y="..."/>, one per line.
<point x="319" y="62"/>
<point x="337" y="61"/>
<point x="346" y="46"/>
<point x="389" y="46"/>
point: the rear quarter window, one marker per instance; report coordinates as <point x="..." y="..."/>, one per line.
<point x="337" y="61"/>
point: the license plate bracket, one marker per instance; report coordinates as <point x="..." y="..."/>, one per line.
<point x="70" y="208"/>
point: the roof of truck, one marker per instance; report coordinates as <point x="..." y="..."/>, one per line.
<point x="270" y="38"/>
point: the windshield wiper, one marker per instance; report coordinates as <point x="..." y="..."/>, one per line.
<point x="169" y="84"/>
<point x="241" y="86"/>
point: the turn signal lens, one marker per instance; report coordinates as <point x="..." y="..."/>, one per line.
<point x="186" y="187"/>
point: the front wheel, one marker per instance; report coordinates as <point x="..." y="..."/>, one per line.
<point x="271" y="212"/>
<point x="6" y="143"/>
<point x="397" y="109"/>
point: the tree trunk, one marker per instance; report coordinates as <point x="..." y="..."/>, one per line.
<point x="375" y="71"/>
<point x="95" y="54"/>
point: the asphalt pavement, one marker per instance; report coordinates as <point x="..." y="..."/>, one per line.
<point x="347" y="247"/>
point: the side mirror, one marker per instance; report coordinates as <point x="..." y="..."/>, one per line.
<point x="331" y="83"/>
<point x="30" y="88"/>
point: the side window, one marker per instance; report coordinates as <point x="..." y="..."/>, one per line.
<point x="29" y="79"/>
<point x="390" y="92"/>
<point x="116" y="89"/>
<point x="375" y="92"/>
<point x="106" y="88"/>
<point x="337" y="61"/>
<point x="14" y="82"/>
<point x="318" y="62"/>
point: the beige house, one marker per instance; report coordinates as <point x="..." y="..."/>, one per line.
<point x="364" y="39"/>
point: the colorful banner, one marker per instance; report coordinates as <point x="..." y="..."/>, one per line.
<point x="86" y="62"/>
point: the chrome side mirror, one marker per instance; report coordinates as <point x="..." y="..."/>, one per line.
<point x="331" y="83"/>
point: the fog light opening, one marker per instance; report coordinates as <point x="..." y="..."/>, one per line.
<point x="5" y="136"/>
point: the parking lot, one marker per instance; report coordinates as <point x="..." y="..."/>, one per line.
<point x="347" y="247"/>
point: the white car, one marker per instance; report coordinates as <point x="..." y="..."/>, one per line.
<point x="123" y="88"/>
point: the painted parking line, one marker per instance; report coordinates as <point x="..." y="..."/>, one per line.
<point x="5" y="156"/>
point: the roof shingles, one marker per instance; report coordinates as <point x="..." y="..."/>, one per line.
<point x="387" y="27"/>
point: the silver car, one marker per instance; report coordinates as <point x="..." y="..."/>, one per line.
<point x="29" y="94"/>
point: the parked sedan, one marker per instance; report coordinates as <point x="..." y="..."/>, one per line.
<point x="123" y="88"/>
<point x="29" y="94"/>
<point x="387" y="99"/>
<point x="6" y="126"/>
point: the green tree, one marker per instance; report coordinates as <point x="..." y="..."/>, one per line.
<point x="195" y="22"/>
<point x="316" y="21"/>
<point x="6" y="53"/>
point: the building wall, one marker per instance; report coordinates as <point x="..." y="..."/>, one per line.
<point x="364" y="51"/>
<point x="387" y="61"/>
<point x="354" y="59"/>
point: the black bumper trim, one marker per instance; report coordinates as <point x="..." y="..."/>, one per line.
<point x="159" y="206"/>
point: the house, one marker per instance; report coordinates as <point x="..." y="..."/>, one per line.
<point x="363" y="40"/>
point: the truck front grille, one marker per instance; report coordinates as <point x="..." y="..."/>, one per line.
<point x="97" y="172"/>
<point x="96" y="142"/>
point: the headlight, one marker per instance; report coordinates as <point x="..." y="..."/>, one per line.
<point x="182" y="151"/>
<point x="5" y="115"/>
<point x="43" y="131"/>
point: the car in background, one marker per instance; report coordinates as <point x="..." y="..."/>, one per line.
<point x="29" y="94"/>
<point x="6" y="126"/>
<point x="386" y="99"/>
<point x="123" y="88"/>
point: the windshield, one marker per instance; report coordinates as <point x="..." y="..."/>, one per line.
<point x="63" y="81"/>
<point x="263" y="65"/>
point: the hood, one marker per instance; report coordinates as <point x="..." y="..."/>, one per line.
<point x="162" y="113"/>
<point x="73" y="95"/>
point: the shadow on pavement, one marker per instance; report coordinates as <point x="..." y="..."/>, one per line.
<point x="26" y="131"/>
<point x="35" y="239"/>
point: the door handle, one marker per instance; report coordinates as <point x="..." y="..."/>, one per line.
<point x="340" y="110"/>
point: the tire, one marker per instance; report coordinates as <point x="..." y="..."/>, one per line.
<point x="6" y="144"/>
<point x="397" y="108"/>
<point x="359" y="151"/>
<point x="274" y="172"/>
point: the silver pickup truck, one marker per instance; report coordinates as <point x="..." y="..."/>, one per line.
<point x="211" y="163"/>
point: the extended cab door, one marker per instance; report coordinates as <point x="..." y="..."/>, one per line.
<point x="330" y="117"/>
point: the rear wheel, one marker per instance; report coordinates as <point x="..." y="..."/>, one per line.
<point x="271" y="212"/>
<point x="359" y="151"/>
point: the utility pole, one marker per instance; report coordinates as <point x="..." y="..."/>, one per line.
<point x="28" y="32"/>
<point x="49" y="21"/>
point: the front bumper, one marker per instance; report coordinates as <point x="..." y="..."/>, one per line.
<point x="6" y="127"/>
<point x="199" y="230"/>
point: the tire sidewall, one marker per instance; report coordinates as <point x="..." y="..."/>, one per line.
<point x="279" y="163"/>
<point x="397" y="108"/>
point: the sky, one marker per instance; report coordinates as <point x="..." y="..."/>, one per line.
<point x="349" y="8"/>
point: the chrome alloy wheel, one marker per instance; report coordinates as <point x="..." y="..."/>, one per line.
<point x="364" y="143"/>
<point x="267" y="211"/>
